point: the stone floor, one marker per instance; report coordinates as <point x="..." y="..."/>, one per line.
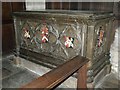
<point x="110" y="81"/>
<point x="16" y="76"/>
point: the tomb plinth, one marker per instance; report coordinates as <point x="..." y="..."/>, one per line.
<point x="50" y="38"/>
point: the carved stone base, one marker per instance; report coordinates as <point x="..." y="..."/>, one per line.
<point x="106" y="70"/>
<point x="16" y="60"/>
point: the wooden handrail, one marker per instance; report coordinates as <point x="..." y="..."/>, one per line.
<point x="61" y="73"/>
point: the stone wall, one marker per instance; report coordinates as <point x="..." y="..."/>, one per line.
<point x="35" y="5"/>
<point x="114" y="51"/>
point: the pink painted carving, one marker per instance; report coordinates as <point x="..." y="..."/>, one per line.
<point x="44" y="34"/>
<point x="100" y="38"/>
<point x="69" y="42"/>
<point x="26" y="33"/>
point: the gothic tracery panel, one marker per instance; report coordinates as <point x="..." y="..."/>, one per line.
<point x="47" y="37"/>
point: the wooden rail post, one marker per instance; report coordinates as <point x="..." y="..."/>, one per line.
<point x="82" y="78"/>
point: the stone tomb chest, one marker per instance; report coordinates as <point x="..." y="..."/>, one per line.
<point x="53" y="37"/>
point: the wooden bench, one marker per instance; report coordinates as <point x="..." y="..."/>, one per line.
<point x="56" y="76"/>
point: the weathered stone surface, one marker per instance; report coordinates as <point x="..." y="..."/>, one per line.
<point x="65" y="34"/>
